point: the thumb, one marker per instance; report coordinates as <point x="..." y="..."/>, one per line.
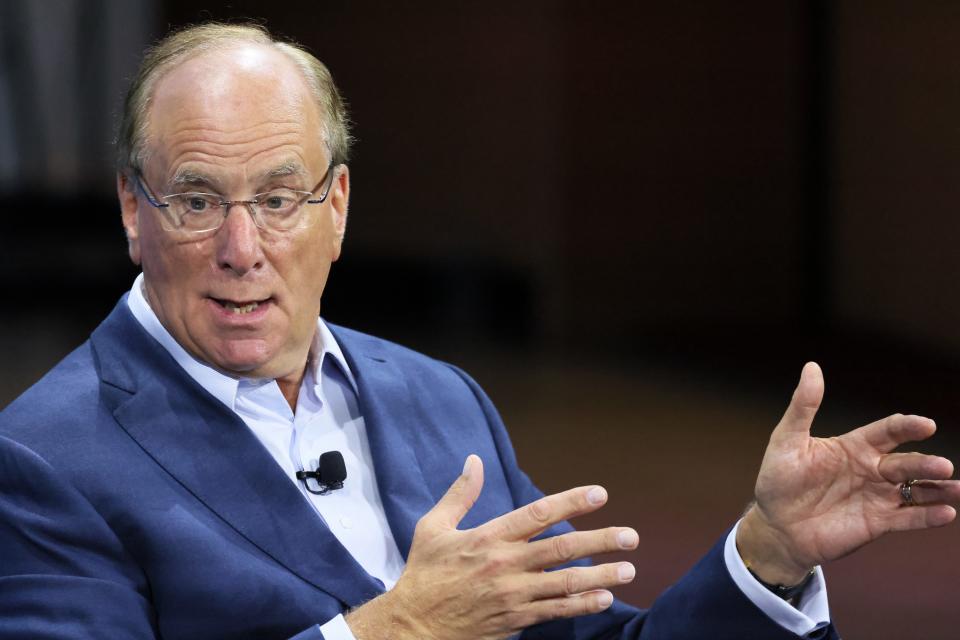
<point x="804" y="404"/>
<point x="461" y="495"/>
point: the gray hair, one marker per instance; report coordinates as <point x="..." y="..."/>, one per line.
<point x="180" y="46"/>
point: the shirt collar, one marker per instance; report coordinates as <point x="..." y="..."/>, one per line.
<point x="327" y="346"/>
<point x="221" y="386"/>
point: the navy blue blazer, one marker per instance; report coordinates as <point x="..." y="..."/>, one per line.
<point x="135" y="505"/>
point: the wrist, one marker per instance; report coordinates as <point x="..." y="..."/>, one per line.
<point x="383" y="617"/>
<point x="762" y="549"/>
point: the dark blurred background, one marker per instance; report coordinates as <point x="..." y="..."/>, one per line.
<point x="633" y="222"/>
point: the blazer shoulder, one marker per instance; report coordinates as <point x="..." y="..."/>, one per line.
<point x="356" y="343"/>
<point x="67" y="394"/>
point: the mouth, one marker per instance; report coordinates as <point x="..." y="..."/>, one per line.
<point x="241" y="307"/>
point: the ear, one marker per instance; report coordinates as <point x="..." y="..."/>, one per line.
<point x="339" y="200"/>
<point x="127" y="194"/>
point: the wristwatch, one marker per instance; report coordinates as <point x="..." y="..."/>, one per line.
<point x="790" y="593"/>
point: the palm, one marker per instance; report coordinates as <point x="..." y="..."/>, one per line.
<point x="826" y="497"/>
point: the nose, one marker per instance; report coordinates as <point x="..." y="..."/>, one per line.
<point x="238" y="241"/>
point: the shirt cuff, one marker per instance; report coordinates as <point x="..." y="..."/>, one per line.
<point x="337" y="629"/>
<point x="812" y="611"/>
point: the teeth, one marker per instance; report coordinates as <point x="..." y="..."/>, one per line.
<point x="239" y="310"/>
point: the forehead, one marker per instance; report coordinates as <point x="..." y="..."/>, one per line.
<point x="246" y="104"/>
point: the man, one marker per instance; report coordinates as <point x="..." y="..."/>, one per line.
<point x="150" y="481"/>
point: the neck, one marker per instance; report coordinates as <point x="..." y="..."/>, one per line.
<point x="290" y="388"/>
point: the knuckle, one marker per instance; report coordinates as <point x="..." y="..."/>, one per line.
<point x="571" y="582"/>
<point x="563" y="550"/>
<point x="496" y="561"/>
<point x="423" y="527"/>
<point x="611" y="539"/>
<point x="539" y="511"/>
<point x="499" y="596"/>
<point x="516" y="620"/>
<point x="563" y="608"/>
<point x="482" y="538"/>
<point x="612" y="575"/>
<point x="590" y="604"/>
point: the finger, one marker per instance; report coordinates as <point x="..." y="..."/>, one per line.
<point x="921" y="517"/>
<point x="889" y="433"/>
<point x="569" y="582"/>
<point x="461" y="495"/>
<point x="901" y="467"/>
<point x="930" y="492"/>
<point x="803" y="406"/>
<point x="533" y="519"/>
<point x="557" y="550"/>
<point x="565" y="607"/>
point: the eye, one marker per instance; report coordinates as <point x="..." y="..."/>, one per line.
<point x="196" y="203"/>
<point x="274" y="202"/>
<point x="279" y="201"/>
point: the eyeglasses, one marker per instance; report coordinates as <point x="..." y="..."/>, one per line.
<point x="277" y="210"/>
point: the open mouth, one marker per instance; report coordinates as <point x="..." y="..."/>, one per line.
<point x="241" y="307"/>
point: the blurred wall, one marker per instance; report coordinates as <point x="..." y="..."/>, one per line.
<point x="897" y="141"/>
<point x="64" y="66"/>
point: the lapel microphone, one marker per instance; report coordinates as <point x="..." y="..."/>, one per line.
<point x="330" y="473"/>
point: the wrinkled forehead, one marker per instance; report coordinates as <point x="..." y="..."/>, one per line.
<point x="226" y="96"/>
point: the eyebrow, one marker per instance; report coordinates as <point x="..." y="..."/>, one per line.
<point x="193" y="179"/>
<point x="286" y="169"/>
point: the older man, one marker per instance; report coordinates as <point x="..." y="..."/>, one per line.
<point x="153" y="483"/>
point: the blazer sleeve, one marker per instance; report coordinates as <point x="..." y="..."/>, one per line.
<point x="704" y="604"/>
<point x="64" y="574"/>
<point x="63" y="571"/>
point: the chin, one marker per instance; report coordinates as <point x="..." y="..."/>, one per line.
<point x="245" y="360"/>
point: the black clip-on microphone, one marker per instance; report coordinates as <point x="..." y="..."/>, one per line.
<point x="330" y="473"/>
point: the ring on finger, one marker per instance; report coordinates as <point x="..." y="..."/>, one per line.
<point x="906" y="493"/>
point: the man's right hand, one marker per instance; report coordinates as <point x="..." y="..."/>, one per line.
<point x="490" y="582"/>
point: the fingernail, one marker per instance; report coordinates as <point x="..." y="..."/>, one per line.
<point x="467" y="464"/>
<point x="628" y="539"/>
<point x="626" y="572"/>
<point x="597" y="495"/>
<point x="604" y="599"/>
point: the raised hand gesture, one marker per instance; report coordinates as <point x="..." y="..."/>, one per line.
<point x="489" y="582"/>
<point x="819" y="499"/>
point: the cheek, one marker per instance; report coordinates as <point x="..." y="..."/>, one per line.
<point x="305" y="263"/>
<point x="168" y="265"/>
<point x="152" y="255"/>
<point x="307" y="279"/>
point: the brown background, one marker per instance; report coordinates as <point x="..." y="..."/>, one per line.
<point x="633" y="222"/>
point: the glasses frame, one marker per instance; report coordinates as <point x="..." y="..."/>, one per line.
<point x="157" y="202"/>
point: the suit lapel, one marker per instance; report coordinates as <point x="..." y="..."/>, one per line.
<point x="390" y="419"/>
<point x="213" y="454"/>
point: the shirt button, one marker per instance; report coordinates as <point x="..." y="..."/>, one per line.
<point x="346" y="522"/>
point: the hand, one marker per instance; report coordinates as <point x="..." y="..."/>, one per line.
<point x="489" y="582"/>
<point x="819" y="499"/>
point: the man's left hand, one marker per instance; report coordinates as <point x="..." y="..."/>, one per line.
<point x="819" y="499"/>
